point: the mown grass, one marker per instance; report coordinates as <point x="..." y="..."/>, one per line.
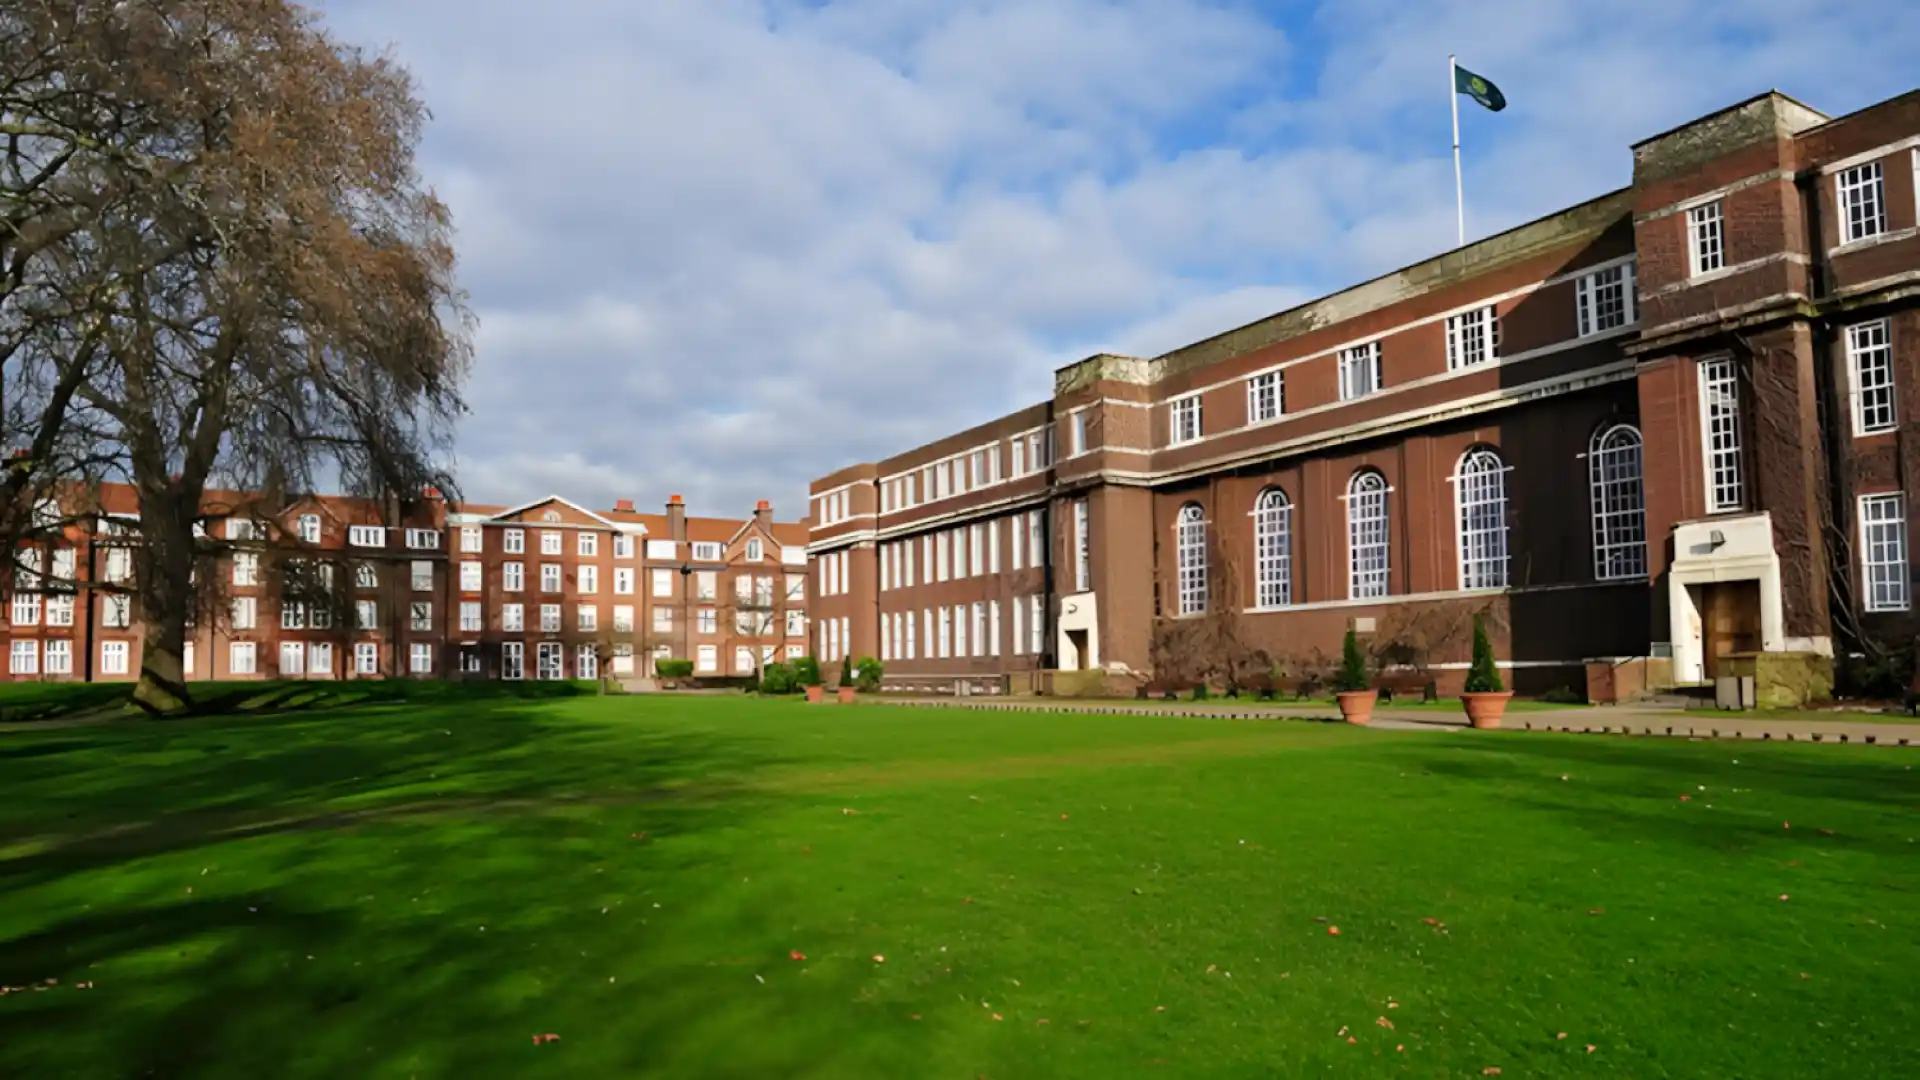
<point x="34" y="702"/>
<point x="417" y="890"/>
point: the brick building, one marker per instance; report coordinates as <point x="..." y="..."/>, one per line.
<point x="1664" y="427"/>
<point x="331" y="587"/>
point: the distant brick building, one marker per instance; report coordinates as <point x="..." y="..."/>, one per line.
<point x="332" y="587"/>
<point x="1668" y="426"/>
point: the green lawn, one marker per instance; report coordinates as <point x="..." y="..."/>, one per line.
<point x="1819" y="716"/>
<point x="416" y="890"/>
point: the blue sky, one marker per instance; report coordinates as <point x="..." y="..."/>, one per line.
<point x="720" y="247"/>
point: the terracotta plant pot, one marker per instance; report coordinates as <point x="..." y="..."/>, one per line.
<point x="846" y="695"/>
<point x="1357" y="705"/>
<point x="815" y="693"/>
<point x="1485" y="710"/>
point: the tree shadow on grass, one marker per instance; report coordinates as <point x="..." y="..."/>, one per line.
<point x="501" y="868"/>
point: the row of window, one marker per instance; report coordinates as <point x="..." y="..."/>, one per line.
<point x="512" y="541"/>
<point x="944" y="633"/>
<point x="963" y="552"/>
<point x="1604" y="300"/>
<point x="983" y="466"/>
<point x="1480" y="500"/>
<point x="833" y="574"/>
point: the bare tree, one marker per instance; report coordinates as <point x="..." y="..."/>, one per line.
<point x="1216" y="645"/>
<point x="221" y="266"/>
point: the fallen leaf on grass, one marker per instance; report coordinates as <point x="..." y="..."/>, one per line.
<point x="1063" y="817"/>
<point x="1385" y="1023"/>
<point x="796" y="955"/>
<point x="915" y="1016"/>
<point x="1591" y="1048"/>
<point x="1596" y="911"/>
<point x="1804" y="975"/>
<point x="1686" y="798"/>
<point x="1826" y="832"/>
<point x="1342" y="1031"/>
<point x="1042" y="1020"/>
<point x="1159" y="1008"/>
<point x="1351" y="1040"/>
<point x="878" y="959"/>
<point x="547" y="1038"/>
<point x="1783" y="896"/>
<point x="1491" y="1070"/>
<point x="1333" y="931"/>
<point x="1400" y="1049"/>
<point x="1562" y="1035"/>
<point x="848" y="812"/>
<point x="997" y="1016"/>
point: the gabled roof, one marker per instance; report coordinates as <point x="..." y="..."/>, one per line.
<point x="562" y="500"/>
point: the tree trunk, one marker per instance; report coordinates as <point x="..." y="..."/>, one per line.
<point x="165" y="584"/>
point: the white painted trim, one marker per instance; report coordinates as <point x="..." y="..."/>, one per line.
<point x="1865" y="242"/>
<point x="1726" y="272"/>
<point x="1692" y="201"/>
<point x="1467" y="406"/>
<point x="836" y="490"/>
<point x="1864" y="156"/>
<point x="1431" y="597"/>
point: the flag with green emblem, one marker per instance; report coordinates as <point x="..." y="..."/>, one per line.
<point x="1478" y="88"/>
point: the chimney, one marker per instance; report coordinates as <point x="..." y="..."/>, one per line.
<point x="623" y="506"/>
<point x="763" y="515"/>
<point x="430" y="492"/>
<point x="676" y="519"/>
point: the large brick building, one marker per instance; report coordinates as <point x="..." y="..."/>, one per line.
<point x="331" y="587"/>
<point x="1657" y="429"/>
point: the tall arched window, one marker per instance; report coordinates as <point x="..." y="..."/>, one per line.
<point x="1619" y="504"/>
<point x="1272" y="549"/>
<point x="1480" y="491"/>
<point x="1190" y="544"/>
<point x="1367" y="535"/>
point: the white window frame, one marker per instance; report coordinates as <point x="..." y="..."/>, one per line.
<point x="421" y="575"/>
<point x="623" y="546"/>
<point x="1616" y="480"/>
<point x="513" y="618"/>
<point x="1273" y="549"/>
<point x="420" y="616"/>
<point x="514" y="542"/>
<point x="1266" y="397"/>
<point x="420" y="658"/>
<point x="1589" y="295"/>
<point x="707" y="620"/>
<point x="293" y="658"/>
<point x="1706" y="238"/>
<point x="587" y="545"/>
<point x="1871" y="373"/>
<point x="246" y="569"/>
<point x="59" y="657"/>
<point x="1480" y="503"/>
<point x="472" y="617"/>
<point x="1077" y="423"/>
<point x="707" y="658"/>
<point x="587" y="580"/>
<point x="1359" y="371"/>
<point x="309" y="527"/>
<point x="708" y="551"/>
<point x="551" y="542"/>
<point x="472" y="576"/>
<point x="552" y="580"/>
<point x="1473" y="338"/>
<point x="1369" y="536"/>
<point x="423" y="539"/>
<point x="1885" y="580"/>
<point x="1190" y="553"/>
<point x="366" y="658"/>
<point x="114" y="656"/>
<point x="243" y="658"/>
<point x="550" y="618"/>
<point x="1720" y="434"/>
<point x="367" y="536"/>
<point x="24" y="657"/>
<point x="587" y="618"/>
<point x="1082" y="545"/>
<point x="1860" y="202"/>
<point x="320" y="658"/>
<point x="513" y="660"/>
<point x="1037" y="624"/>
<point x="513" y="577"/>
<point x="1184" y="420"/>
<point x="472" y="540"/>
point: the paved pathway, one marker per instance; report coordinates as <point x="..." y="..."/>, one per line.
<point x="1603" y="720"/>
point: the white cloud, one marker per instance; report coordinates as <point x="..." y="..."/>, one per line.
<point x="720" y="247"/>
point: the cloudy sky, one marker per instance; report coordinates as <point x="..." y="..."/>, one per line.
<point x="721" y="247"/>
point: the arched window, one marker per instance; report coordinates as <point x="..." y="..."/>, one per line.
<point x="1480" y="491"/>
<point x="1619" y="504"/>
<point x="1190" y="543"/>
<point x="1273" y="549"/>
<point x="1367" y="535"/>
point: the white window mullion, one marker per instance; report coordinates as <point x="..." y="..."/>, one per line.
<point x="1883" y="552"/>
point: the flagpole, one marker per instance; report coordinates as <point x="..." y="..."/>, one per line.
<point x="1459" y="191"/>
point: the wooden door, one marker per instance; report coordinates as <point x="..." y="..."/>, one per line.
<point x="1730" y="621"/>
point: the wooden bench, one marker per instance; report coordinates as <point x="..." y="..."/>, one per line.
<point x="1406" y="684"/>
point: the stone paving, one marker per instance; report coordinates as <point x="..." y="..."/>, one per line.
<point x="1601" y="720"/>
